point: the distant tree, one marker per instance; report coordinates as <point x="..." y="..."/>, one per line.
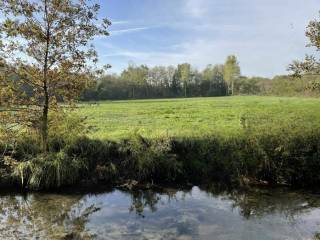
<point x="219" y="84"/>
<point x="134" y="82"/>
<point x="156" y="80"/>
<point x="112" y="87"/>
<point x="287" y="85"/>
<point x="176" y="84"/>
<point x="184" y="74"/>
<point x="247" y="86"/>
<point x="212" y="81"/>
<point x="45" y="45"/>
<point x="159" y="80"/>
<point x="311" y="64"/>
<point x="142" y="73"/>
<point x="128" y="76"/>
<point x="170" y="72"/>
<point x="207" y="80"/>
<point x="195" y="83"/>
<point x="156" y="76"/>
<point x="138" y="78"/>
<point x="231" y="72"/>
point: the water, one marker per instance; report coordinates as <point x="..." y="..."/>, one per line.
<point x="171" y="214"/>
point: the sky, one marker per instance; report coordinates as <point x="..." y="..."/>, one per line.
<point x="265" y="35"/>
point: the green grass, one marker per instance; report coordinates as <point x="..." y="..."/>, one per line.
<point x="229" y="140"/>
<point x="198" y="117"/>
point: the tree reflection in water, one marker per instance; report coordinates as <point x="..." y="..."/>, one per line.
<point x="40" y="216"/>
<point x="149" y="199"/>
<point x="258" y="202"/>
<point x="66" y="216"/>
<point x="252" y="203"/>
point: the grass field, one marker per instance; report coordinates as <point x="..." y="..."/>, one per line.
<point x="198" y="117"/>
<point x="229" y="140"/>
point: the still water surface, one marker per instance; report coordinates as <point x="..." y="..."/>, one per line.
<point x="171" y="214"/>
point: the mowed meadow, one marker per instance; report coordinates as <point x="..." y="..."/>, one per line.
<point x="200" y="117"/>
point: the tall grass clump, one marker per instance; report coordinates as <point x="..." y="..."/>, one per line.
<point x="101" y="158"/>
<point x="33" y="169"/>
<point x="149" y="159"/>
<point x="52" y="170"/>
<point x="290" y="157"/>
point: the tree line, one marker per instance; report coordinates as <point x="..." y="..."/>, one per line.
<point x="142" y="82"/>
<point x="184" y="80"/>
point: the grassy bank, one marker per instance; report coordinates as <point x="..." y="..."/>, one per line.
<point x="240" y="140"/>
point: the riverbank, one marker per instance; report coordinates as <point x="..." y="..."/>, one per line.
<point x="287" y="157"/>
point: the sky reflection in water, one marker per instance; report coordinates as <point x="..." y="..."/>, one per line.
<point x="194" y="214"/>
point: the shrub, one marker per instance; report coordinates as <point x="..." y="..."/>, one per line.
<point x="48" y="171"/>
<point x="95" y="152"/>
<point x="150" y="160"/>
<point x="26" y="147"/>
<point x="107" y="173"/>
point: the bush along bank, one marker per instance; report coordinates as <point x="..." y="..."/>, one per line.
<point x="291" y="158"/>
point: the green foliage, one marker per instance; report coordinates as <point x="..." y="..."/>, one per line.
<point x="247" y="86"/>
<point x="149" y="159"/>
<point x="184" y="75"/>
<point x="139" y="82"/>
<point x="276" y="157"/>
<point x="65" y="127"/>
<point x="213" y="83"/>
<point x="52" y="170"/>
<point x="58" y="60"/>
<point x="289" y="86"/>
<point x="167" y="82"/>
<point x="137" y="78"/>
<point x="310" y="66"/>
<point x="26" y="147"/>
<point x="288" y="157"/>
<point x="231" y="72"/>
<point x="94" y="152"/>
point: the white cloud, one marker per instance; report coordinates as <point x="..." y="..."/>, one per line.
<point x="144" y="57"/>
<point x="128" y="30"/>
<point x="254" y="60"/>
<point x="196" y="8"/>
<point x="266" y="35"/>
<point x="120" y="22"/>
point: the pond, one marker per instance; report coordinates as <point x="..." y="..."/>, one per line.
<point x="167" y="214"/>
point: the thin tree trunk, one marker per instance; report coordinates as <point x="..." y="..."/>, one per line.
<point x="227" y="86"/>
<point x="45" y="121"/>
<point x="232" y="86"/>
<point x="44" y="130"/>
<point x="147" y="91"/>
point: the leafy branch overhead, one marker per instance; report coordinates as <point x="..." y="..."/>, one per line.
<point x="311" y="64"/>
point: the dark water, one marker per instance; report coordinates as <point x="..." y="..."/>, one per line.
<point x="171" y="214"/>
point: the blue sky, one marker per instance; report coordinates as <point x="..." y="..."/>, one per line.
<point x="266" y="35"/>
